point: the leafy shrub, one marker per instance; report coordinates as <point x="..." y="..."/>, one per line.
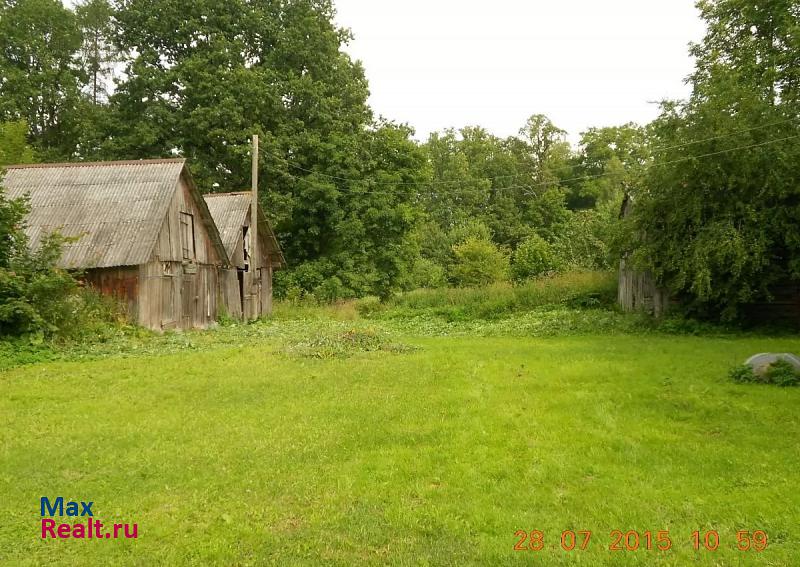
<point x="37" y="298"/>
<point x="331" y="290"/>
<point x="35" y="295"/>
<point x="782" y="373"/>
<point x="533" y="257"/>
<point x="478" y="262"/>
<point x="585" y="240"/>
<point x="426" y="273"/>
<point x="680" y="324"/>
<point x="295" y="283"/>
<point x="742" y="373"/>
<point x="368" y="306"/>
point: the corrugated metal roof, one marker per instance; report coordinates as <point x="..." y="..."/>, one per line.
<point x="115" y="208"/>
<point x="229" y="211"/>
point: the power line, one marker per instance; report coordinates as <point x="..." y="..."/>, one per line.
<point x="728" y="135"/>
<point x="512" y="176"/>
<point x="533" y="186"/>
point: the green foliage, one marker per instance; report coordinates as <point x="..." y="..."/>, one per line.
<point x="478" y="262"/>
<point x="98" y="53"/>
<point x="508" y="185"/>
<point x="742" y="373"/>
<point x="41" y="81"/>
<point x="611" y="162"/>
<point x="207" y="75"/>
<point x="534" y="257"/>
<point x="14" y="148"/>
<point x="327" y="345"/>
<point x="593" y="289"/>
<point x="330" y="290"/>
<point x="781" y="373"/>
<point x="12" y="239"/>
<point x="719" y="220"/>
<point x="38" y="299"/>
<point x="426" y="273"/>
<point x="588" y="239"/>
<point x="368" y="306"/>
<point x="36" y="296"/>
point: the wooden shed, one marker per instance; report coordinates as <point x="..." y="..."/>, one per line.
<point x="142" y="233"/>
<point x="246" y="286"/>
<point x="638" y="289"/>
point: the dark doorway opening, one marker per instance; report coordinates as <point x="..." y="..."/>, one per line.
<point x="240" y="275"/>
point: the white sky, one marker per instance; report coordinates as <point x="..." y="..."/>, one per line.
<point x="450" y="63"/>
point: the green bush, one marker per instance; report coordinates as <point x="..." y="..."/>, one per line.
<point x="478" y="262"/>
<point x="534" y="257"/>
<point x="585" y="240"/>
<point x="782" y="373"/>
<point x="426" y="273"/>
<point x="368" y="306"/>
<point x="331" y="290"/>
<point x="35" y="295"/>
<point x="37" y="298"/>
<point x="742" y="373"/>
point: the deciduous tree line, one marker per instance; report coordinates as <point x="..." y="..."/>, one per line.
<point x="362" y="208"/>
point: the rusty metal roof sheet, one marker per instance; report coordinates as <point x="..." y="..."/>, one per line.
<point x="115" y="209"/>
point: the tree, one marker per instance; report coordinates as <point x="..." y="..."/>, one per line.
<point x="206" y="75"/>
<point x="611" y="161"/>
<point x="14" y="148"/>
<point x="478" y="262"/>
<point x="456" y="194"/>
<point x="546" y="147"/>
<point x="720" y="217"/>
<point x="98" y="53"/>
<point x="533" y="257"/>
<point x="40" y="81"/>
<point x="510" y="185"/>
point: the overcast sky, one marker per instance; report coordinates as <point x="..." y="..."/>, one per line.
<point x="442" y="63"/>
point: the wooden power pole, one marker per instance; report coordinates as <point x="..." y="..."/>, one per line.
<point x="254" y="257"/>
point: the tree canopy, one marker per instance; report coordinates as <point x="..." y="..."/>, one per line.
<point x="718" y="216"/>
<point x="361" y="207"/>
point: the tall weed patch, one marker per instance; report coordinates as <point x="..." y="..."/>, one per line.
<point x="573" y="289"/>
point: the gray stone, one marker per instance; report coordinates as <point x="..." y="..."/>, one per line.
<point x="760" y="363"/>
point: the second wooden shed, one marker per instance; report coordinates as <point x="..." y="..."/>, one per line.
<point x="246" y="292"/>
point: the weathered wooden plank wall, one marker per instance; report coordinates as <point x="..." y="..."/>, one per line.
<point x="229" y="292"/>
<point x="121" y="283"/>
<point x="638" y="291"/>
<point x="179" y="292"/>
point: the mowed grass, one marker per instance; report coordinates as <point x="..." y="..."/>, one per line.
<point x="246" y="456"/>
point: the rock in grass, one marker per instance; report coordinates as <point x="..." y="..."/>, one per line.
<point x="761" y="363"/>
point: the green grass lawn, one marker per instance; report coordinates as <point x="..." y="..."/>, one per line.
<point x="243" y="455"/>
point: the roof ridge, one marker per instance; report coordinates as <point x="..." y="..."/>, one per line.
<point x="228" y="194"/>
<point x="97" y="163"/>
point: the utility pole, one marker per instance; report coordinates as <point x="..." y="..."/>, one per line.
<point x="254" y="252"/>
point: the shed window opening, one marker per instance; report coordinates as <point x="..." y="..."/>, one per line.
<point x="246" y="248"/>
<point x="187" y="236"/>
